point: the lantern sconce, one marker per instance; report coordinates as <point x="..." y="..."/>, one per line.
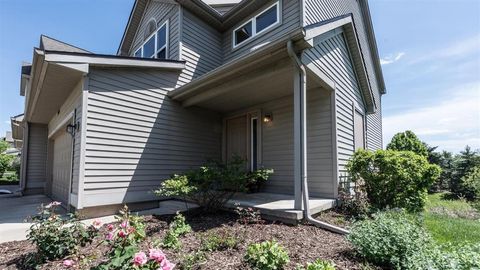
<point x="72" y="128"/>
<point x="267" y="118"/>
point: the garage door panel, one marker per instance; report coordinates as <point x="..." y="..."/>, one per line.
<point x="62" y="162"/>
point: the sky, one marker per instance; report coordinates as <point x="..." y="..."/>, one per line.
<point x="429" y="50"/>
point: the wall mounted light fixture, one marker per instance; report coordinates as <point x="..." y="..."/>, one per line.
<point x="72" y="128"/>
<point x="267" y="118"/>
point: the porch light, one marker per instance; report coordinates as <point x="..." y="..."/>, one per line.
<point x="267" y="118"/>
<point x="72" y="128"/>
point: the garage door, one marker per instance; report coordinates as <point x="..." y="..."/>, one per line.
<point x="62" y="162"/>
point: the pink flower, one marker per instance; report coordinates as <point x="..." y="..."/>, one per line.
<point x="122" y="233"/>
<point x="140" y="258"/>
<point x="68" y="263"/>
<point x="110" y="227"/>
<point x="96" y="223"/>
<point x="156" y="254"/>
<point x="167" y="265"/>
<point x="109" y="236"/>
<point x="124" y="224"/>
<point x="130" y="230"/>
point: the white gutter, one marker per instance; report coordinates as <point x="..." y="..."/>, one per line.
<point x="303" y="141"/>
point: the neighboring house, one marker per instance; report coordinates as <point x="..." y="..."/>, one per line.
<point x="291" y="85"/>
<point x="12" y="149"/>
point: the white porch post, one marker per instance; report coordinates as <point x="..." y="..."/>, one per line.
<point x="299" y="117"/>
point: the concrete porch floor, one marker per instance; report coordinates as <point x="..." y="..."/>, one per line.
<point x="278" y="206"/>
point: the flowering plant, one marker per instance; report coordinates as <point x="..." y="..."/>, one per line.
<point x="122" y="240"/>
<point x="57" y="236"/>
<point x="156" y="260"/>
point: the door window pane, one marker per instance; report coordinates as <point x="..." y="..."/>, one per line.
<point x="243" y="33"/>
<point x="162" y="54"/>
<point x="254" y="144"/>
<point x="267" y="18"/>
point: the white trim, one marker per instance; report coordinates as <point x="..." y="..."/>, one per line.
<point x="252" y="165"/>
<point x="83" y="143"/>
<point x="253" y="20"/>
<point x="154" y="34"/>
<point x="65" y="120"/>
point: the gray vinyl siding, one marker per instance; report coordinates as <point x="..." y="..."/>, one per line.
<point x="161" y="12"/>
<point x="277" y="145"/>
<point x="317" y="11"/>
<point x="290" y="20"/>
<point x="201" y="47"/>
<point x="332" y="57"/>
<point x="37" y="157"/>
<point x="136" y="136"/>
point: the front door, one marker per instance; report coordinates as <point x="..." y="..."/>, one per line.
<point x="236" y="138"/>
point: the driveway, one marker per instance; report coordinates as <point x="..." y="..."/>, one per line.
<point x="14" y="211"/>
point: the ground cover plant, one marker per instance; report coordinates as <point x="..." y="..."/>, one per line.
<point x="303" y="244"/>
<point x="267" y="255"/>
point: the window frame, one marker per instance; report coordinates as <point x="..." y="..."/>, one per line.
<point x="253" y="20"/>
<point x="154" y="34"/>
<point x="364" y="128"/>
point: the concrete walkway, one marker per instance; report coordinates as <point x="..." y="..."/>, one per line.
<point x="15" y="210"/>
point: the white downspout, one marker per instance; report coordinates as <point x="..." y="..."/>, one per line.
<point x="303" y="115"/>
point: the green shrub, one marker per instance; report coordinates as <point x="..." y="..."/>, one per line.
<point x="408" y="141"/>
<point x="212" y="185"/>
<point x="5" y="161"/>
<point x="178" y="227"/>
<point x="393" y="179"/>
<point x="218" y="241"/>
<point x="57" y="237"/>
<point x="318" y="264"/>
<point x="390" y="239"/>
<point x="257" y="179"/>
<point x="192" y="260"/>
<point x="122" y="240"/>
<point x="268" y="255"/>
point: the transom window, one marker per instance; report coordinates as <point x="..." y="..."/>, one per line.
<point x="156" y="44"/>
<point x="258" y="24"/>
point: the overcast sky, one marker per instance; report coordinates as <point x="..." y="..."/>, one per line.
<point x="430" y="54"/>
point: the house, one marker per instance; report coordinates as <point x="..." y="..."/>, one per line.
<point x="293" y="85"/>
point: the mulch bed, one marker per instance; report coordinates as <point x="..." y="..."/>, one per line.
<point x="304" y="244"/>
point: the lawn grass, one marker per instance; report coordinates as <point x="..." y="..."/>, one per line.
<point x="451" y="221"/>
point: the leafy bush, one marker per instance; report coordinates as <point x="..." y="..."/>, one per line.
<point x="390" y="239"/>
<point x="56" y="237"/>
<point x="393" y="179"/>
<point x="122" y="240"/>
<point x="218" y="241"/>
<point x="318" y="264"/>
<point x="354" y="202"/>
<point x="192" y="260"/>
<point x="268" y="255"/>
<point x="178" y="227"/>
<point x="257" y="179"/>
<point x="408" y="141"/>
<point x="395" y="239"/>
<point x="212" y="185"/>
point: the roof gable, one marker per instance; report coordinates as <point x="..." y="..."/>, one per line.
<point x="51" y="44"/>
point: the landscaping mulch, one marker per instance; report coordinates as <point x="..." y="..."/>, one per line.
<point x="304" y="243"/>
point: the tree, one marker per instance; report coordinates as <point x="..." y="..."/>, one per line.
<point x="408" y="141"/>
<point x="4" y="146"/>
<point x="465" y="162"/>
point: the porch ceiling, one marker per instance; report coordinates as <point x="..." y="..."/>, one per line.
<point x="56" y="86"/>
<point x="248" y="88"/>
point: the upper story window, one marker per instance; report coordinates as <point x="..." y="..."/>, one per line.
<point x="156" y="44"/>
<point x="258" y="24"/>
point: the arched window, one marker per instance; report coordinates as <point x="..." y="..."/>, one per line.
<point x="151" y="27"/>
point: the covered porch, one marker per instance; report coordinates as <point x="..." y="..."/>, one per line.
<point x="272" y="113"/>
